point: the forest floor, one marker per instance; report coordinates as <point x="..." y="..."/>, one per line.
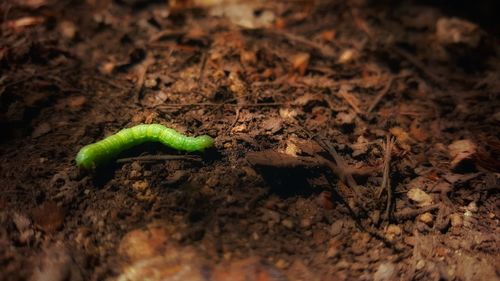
<point x="352" y="142"/>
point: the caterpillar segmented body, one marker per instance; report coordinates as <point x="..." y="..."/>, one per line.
<point x="92" y="155"/>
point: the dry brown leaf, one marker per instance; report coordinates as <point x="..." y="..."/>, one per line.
<point x="328" y="35"/>
<point x="248" y="57"/>
<point x="248" y="269"/>
<point x="462" y="153"/>
<point x="32" y="4"/>
<point x="174" y="264"/>
<point x="347" y="56"/>
<point x="307" y="98"/>
<point x="49" y="216"/>
<point x="420" y="197"/>
<point x="68" y="29"/>
<point x="144" y="243"/>
<point x="352" y="100"/>
<point x="403" y="138"/>
<point x="457" y="31"/>
<point x="418" y="132"/>
<point x="272" y="124"/>
<point x="300" y="62"/>
<point x="21" y="23"/>
<point x="41" y="129"/>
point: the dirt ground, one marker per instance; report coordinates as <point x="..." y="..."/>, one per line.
<point x="353" y="141"/>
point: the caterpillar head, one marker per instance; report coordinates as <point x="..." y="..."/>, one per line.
<point x="85" y="159"/>
<point x="204" y="142"/>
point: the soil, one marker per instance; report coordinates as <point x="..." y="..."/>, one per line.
<point x="353" y="141"/>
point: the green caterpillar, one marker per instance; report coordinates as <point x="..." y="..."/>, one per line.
<point x="95" y="154"/>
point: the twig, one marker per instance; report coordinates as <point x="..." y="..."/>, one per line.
<point x="167" y="33"/>
<point x="221" y="104"/>
<point x="148" y="158"/>
<point x="202" y="68"/>
<point x="343" y="171"/>
<point x="236" y="118"/>
<point x="323" y="49"/>
<point x="107" y="81"/>
<point x="419" y="65"/>
<point x="382" y="94"/>
<point x="362" y="26"/>
<point x="350" y="99"/>
<point x="386" y="181"/>
<point x="411" y="213"/>
<point x="142" y="69"/>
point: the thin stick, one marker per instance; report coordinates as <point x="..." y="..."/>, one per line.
<point x="386" y="180"/>
<point x="340" y="168"/>
<point x="349" y="99"/>
<point x="141" y="71"/>
<point x="202" y="67"/>
<point x="154" y="158"/>
<point x="236" y="118"/>
<point x="323" y="49"/>
<point x="419" y="65"/>
<point x="221" y="104"/>
<point x="382" y="94"/>
<point x="409" y="214"/>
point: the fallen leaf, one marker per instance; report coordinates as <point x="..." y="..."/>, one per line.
<point x="288" y="113"/>
<point x="67" y="29"/>
<point x="328" y="35"/>
<point x="273" y="124"/>
<point x="33" y="4"/>
<point x="419" y="196"/>
<point x="462" y="153"/>
<point x="21" y="23"/>
<point x="392" y="231"/>
<point x="403" y="138"/>
<point x="55" y="264"/>
<point x="457" y="31"/>
<point x="76" y="102"/>
<point x="177" y="263"/>
<point x="40" y="130"/>
<point x="144" y="243"/>
<point x="248" y="269"/>
<point x="243" y="14"/>
<point x="346" y="118"/>
<point x="248" y="57"/>
<point x="347" y="56"/>
<point x="49" y="216"/>
<point x="23" y="226"/>
<point x="418" y="132"/>
<point x="386" y="271"/>
<point x="300" y="62"/>
<point x="307" y="98"/>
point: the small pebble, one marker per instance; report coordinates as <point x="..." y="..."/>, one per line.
<point x="287" y="223"/>
<point x="467" y="214"/>
<point x="472" y="207"/>
<point x="140" y="185"/>
<point x="305" y="223"/>
<point x="281" y="263"/>
<point x="150" y="83"/>
<point x="333" y="248"/>
<point x="456" y="220"/>
<point x="420" y="264"/>
<point x="255" y="236"/>
<point x="421" y="197"/>
<point x="336" y="227"/>
<point x="426" y="218"/>
<point x="393" y="229"/>
<point x="385" y="271"/>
